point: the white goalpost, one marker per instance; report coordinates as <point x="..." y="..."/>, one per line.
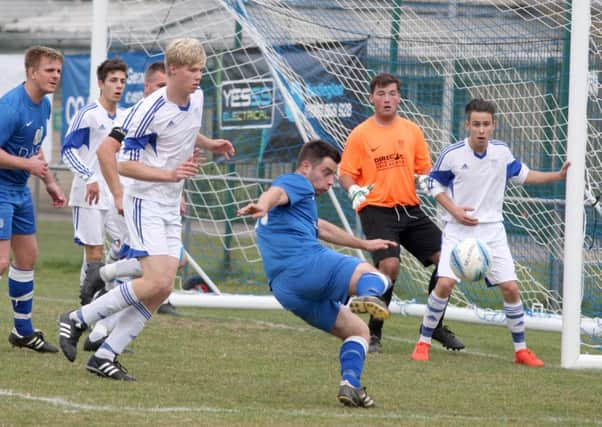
<point x="571" y="356"/>
<point x="315" y="59"/>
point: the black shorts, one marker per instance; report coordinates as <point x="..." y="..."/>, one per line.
<point x="406" y="225"/>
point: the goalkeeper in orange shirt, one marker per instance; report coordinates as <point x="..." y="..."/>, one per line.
<point x="380" y="160"/>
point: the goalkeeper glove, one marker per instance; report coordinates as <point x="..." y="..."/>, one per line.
<point x="422" y="183"/>
<point x="358" y="194"/>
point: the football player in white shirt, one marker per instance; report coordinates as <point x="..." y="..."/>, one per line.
<point x="155" y="78"/>
<point x="90" y="197"/>
<point x="158" y="153"/>
<point x="477" y="170"/>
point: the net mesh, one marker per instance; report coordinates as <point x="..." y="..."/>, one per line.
<point x="317" y="58"/>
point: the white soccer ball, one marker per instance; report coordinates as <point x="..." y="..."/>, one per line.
<point x="470" y="260"/>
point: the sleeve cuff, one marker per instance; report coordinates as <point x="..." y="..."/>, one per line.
<point x="90" y="179"/>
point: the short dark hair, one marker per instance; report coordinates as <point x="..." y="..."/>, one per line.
<point x="382" y="80"/>
<point x="109" y="65"/>
<point x="316" y="150"/>
<point x="35" y="53"/>
<point x="153" y="68"/>
<point x="480" y="105"/>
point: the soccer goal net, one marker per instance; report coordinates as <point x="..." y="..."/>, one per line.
<point x="282" y="72"/>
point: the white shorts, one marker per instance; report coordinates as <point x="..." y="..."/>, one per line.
<point x="116" y="227"/>
<point x="154" y="228"/>
<point x="89" y="226"/>
<point x="494" y="235"/>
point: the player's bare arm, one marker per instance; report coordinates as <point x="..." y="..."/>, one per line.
<point x="52" y="188"/>
<point x="217" y="146"/>
<point x="137" y="170"/>
<point x="274" y="196"/>
<point x="538" y="177"/>
<point x="332" y="234"/>
<point x="36" y="165"/>
<point x="346" y="181"/>
<point x="461" y="214"/>
<point x="108" y="166"/>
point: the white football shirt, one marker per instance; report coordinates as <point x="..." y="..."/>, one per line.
<point x="87" y="130"/>
<point x="476" y="181"/>
<point x="162" y="135"/>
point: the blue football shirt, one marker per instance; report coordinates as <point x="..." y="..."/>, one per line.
<point x="288" y="232"/>
<point x="22" y="130"/>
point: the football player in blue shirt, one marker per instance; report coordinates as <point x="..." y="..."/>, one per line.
<point x="24" y="113"/>
<point x="311" y="280"/>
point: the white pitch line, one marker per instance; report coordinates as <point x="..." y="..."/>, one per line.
<point x="59" y="401"/>
<point x="336" y="413"/>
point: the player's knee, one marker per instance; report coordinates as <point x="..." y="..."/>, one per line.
<point x="163" y="288"/>
<point x="363" y="332"/>
<point x="510" y="291"/>
<point x="390" y="267"/>
<point x="444" y="287"/>
<point x="372" y="283"/>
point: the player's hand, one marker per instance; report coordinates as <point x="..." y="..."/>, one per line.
<point x="37" y="166"/>
<point x="461" y="215"/>
<point x="377" y="244"/>
<point x="253" y="209"/>
<point x="92" y="193"/>
<point x="56" y="194"/>
<point x="199" y="156"/>
<point x="118" y="202"/>
<point x="358" y="194"/>
<point x="182" y="206"/>
<point x="224" y="147"/>
<point x="187" y="169"/>
<point x="564" y="170"/>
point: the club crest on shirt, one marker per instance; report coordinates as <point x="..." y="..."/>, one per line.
<point x="37" y="138"/>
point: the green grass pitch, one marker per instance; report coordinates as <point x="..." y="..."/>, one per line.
<point x="267" y="368"/>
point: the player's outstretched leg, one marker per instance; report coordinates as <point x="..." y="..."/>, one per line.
<point x="92" y="282"/>
<point x="369" y="304"/>
<point x="69" y="332"/>
<point x="369" y="290"/>
<point x="376" y="325"/>
<point x="107" y="368"/>
<point x="93" y="345"/>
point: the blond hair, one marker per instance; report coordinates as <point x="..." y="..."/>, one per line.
<point x="34" y="54"/>
<point x="185" y="52"/>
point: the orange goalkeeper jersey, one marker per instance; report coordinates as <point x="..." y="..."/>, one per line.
<point x="388" y="157"/>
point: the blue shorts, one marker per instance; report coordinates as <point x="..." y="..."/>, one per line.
<point x="314" y="287"/>
<point x="17" y="214"/>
